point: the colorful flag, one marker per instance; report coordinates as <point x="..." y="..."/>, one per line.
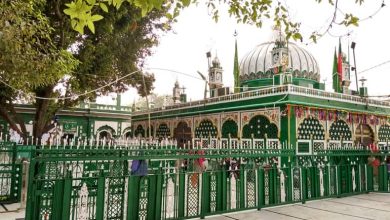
<point x="340" y="63"/>
<point x="335" y="76"/>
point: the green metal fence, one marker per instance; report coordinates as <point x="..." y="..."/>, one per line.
<point x="92" y="182"/>
<point x="10" y="173"/>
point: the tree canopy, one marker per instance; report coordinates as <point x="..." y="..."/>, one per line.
<point x="45" y="62"/>
<point x="83" y="13"/>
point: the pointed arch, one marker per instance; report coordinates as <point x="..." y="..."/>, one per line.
<point x="163" y="131"/>
<point x="260" y="125"/>
<point x="139" y="131"/>
<point x="311" y="127"/>
<point x="182" y="133"/>
<point x="105" y="132"/>
<point x="206" y="128"/>
<point x="340" y="129"/>
<point x="229" y="127"/>
<point x="384" y="133"/>
<point x="364" y="135"/>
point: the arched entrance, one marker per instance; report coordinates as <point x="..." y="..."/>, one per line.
<point x="364" y="135"/>
<point x="311" y="128"/>
<point x="340" y="129"/>
<point x="258" y="126"/>
<point x="206" y="129"/>
<point x="229" y="127"/>
<point x="182" y="134"/>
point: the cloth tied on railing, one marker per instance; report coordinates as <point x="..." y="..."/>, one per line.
<point x="200" y="165"/>
<point x="139" y="168"/>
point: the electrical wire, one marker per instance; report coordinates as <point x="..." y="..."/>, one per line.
<point x="72" y="96"/>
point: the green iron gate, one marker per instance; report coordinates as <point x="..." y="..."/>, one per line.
<point x="10" y="174"/>
<point x="97" y="183"/>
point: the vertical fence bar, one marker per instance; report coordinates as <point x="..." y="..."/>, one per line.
<point x="66" y="203"/>
<point x="152" y="197"/>
<point x="159" y="194"/>
<point x="205" y="193"/>
<point x="59" y="196"/>
<point x="181" y="194"/>
<point x="242" y="183"/>
<point x="133" y="197"/>
<point x="100" y="197"/>
<point x="304" y="184"/>
<point x="370" y="179"/>
<point x="260" y="191"/>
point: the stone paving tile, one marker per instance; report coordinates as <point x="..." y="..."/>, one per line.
<point x="378" y="205"/>
<point x="383" y="197"/>
<point x="349" y="209"/>
<point x="263" y="214"/>
<point x="12" y="215"/>
<point x="303" y="212"/>
<point x="12" y="207"/>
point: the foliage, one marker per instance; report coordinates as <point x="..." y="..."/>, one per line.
<point x="83" y="13"/>
<point x="45" y="62"/>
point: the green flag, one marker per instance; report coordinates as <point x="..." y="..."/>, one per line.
<point x="236" y="71"/>
<point x="335" y="75"/>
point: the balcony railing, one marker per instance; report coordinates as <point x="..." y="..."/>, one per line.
<point x="276" y="90"/>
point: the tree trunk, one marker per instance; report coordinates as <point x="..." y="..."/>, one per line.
<point x="42" y="119"/>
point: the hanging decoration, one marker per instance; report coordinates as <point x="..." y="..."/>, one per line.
<point x="336" y="114"/>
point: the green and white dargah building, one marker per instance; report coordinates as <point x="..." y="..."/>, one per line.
<point x="280" y="99"/>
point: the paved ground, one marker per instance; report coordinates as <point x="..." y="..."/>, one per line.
<point x="365" y="206"/>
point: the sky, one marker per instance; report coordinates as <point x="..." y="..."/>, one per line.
<point x="183" y="50"/>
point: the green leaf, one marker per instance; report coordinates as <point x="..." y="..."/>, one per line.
<point x="96" y="17"/>
<point x="297" y="36"/>
<point x="91" y="26"/>
<point x="91" y="2"/>
<point x="186" y="3"/>
<point x="103" y="7"/>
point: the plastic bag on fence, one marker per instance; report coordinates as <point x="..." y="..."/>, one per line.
<point x="139" y="168"/>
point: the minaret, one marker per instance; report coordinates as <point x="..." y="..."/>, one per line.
<point x="215" y="77"/>
<point x="280" y="52"/>
<point x="236" y="68"/>
<point x="176" y="93"/>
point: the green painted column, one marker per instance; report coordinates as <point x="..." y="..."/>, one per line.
<point x="219" y="190"/>
<point x="242" y="186"/>
<point x="325" y="179"/>
<point x="224" y="193"/>
<point x="151" y="197"/>
<point x="272" y="185"/>
<point x="182" y="181"/>
<point x="159" y="189"/>
<point x="370" y="178"/>
<point x="289" y="179"/>
<point x="304" y="184"/>
<point x="59" y="196"/>
<point x="260" y="191"/>
<point x="31" y="206"/>
<point x="382" y="177"/>
<point x="14" y="188"/>
<point x="133" y="197"/>
<point x="66" y="204"/>
<point x="338" y="183"/>
<point x="100" y="196"/>
<point x="205" y="192"/>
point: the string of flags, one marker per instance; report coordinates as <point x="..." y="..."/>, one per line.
<point x="336" y="114"/>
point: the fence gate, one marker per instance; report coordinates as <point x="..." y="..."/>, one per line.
<point x="10" y="174"/>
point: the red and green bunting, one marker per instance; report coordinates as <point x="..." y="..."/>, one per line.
<point x="332" y="115"/>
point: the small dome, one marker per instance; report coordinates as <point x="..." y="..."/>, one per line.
<point x="216" y="62"/>
<point x="258" y="62"/>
